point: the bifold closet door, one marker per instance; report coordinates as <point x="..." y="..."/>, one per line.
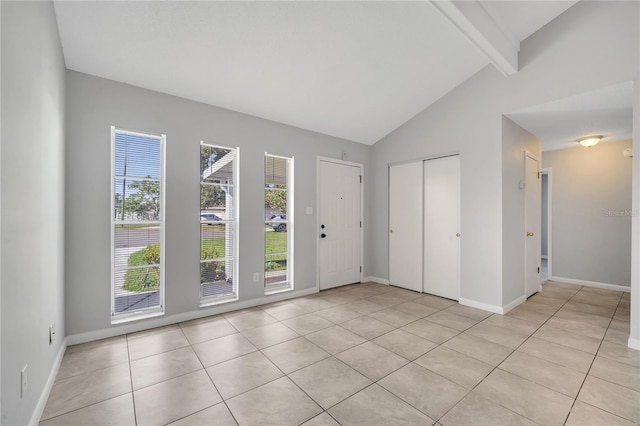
<point x="405" y="225"/>
<point x="442" y="227"/>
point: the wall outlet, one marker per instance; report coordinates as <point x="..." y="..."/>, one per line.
<point x="52" y="333"/>
<point x="24" y="383"/>
<point x="256" y="277"/>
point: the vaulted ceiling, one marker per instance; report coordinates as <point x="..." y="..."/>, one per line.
<point x="355" y="70"/>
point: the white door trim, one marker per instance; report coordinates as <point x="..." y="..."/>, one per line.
<point x="549" y="173"/>
<point x="344" y="163"/>
<point x="528" y="154"/>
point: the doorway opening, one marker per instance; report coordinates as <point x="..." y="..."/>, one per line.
<point x="546" y="226"/>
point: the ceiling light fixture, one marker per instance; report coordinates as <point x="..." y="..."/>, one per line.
<point x="589" y="141"/>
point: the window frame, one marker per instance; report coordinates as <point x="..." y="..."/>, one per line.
<point x="289" y="284"/>
<point x="235" y="222"/>
<point x="117" y="318"/>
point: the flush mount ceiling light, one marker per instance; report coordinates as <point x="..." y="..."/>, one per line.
<point x="589" y="141"/>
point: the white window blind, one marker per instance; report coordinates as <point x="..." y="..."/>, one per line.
<point x="218" y="223"/>
<point x="137" y="219"/>
<point x="278" y="206"/>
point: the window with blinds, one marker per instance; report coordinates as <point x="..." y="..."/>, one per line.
<point x="278" y="206"/>
<point x="137" y="218"/>
<point x="218" y="223"/>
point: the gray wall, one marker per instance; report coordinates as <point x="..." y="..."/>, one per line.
<point x="93" y="105"/>
<point x="544" y="205"/>
<point x="33" y="82"/>
<point x="469" y="120"/>
<point x="591" y="216"/>
<point x="634" y="337"/>
<point x="515" y="141"/>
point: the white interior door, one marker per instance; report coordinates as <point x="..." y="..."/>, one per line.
<point x="532" y="225"/>
<point x="340" y="230"/>
<point x="442" y="227"/>
<point x="405" y="225"/>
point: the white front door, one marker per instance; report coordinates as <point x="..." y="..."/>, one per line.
<point x="532" y="225"/>
<point x="405" y="225"/>
<point x="442" y="227"/>
<point x="340" y="228"/>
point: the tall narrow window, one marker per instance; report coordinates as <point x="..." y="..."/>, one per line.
<point x="137" y="219"/>
<point x="218" y="223"/>
<point x="278" y="206"/>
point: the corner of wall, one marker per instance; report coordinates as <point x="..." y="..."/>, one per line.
<point x="46" y="391"/>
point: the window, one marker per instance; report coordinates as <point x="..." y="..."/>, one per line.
<point x="278" y="206"/>
<point x="137" y="223"/>
<point x="218" y="223"/>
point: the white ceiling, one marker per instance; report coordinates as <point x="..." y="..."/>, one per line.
<point x="607" y="112"/>
<point x="523" y="18"/>
<point x="355" y="70"/>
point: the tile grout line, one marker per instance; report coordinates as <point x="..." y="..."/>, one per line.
<point x="541" y="325"/>
<point x="592" y="362"/>
<point x="97" y="402"/>
<point x="133" y="396"/>
<point x="366" y="340"/>
<point x="324" y="359"/>
<point x="497" y="366"/>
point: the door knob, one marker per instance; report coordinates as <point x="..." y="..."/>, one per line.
<point x="323" y="235"/>
<point x="529" y="234"/>
<point x="458" y="234"/>
<point x="391" y="231"/>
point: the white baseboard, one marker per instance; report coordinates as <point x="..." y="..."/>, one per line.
<point x="132" y="327"/>
<point x="634" y="343"/>
<point x="44" y="396"/>
<point x="479" y="305"/>
<point x="594" y="284"/>
<point x="509" y="306"/>
<point x="375" y="280"/>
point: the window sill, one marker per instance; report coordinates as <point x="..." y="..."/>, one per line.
<point x="220" y="300"/>
<point x="283" y="288"/>
<point x="125" y="318"/>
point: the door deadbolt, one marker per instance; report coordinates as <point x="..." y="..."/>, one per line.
<point x="529" y="234"/>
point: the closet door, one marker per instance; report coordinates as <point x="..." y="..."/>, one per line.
<point x="405" y="225"/>
<point x="442" y="227"/>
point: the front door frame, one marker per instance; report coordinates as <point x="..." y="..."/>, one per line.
<point x="319" y="159"/>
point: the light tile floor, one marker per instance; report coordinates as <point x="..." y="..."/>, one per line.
<point x="365" y="354"/>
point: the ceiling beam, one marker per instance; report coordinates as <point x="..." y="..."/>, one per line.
<point x="475" y="23"/>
